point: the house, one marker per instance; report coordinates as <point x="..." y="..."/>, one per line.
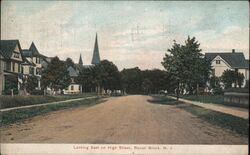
<point x="74" y="87"/>
<point x="10" y="64"/>
<point x="230" y="60"/>
<point x="32" y="65"/>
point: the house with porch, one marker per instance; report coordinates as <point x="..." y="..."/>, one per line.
<point x="230" y="60"/>
<point x="10" y="66"/>
<point x="32" y="66"/>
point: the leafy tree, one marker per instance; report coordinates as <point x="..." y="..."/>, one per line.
<point x="230" y="77"/>
<point x="109" y="76"/>
<point x="56" y="75"/>
<point x="131" y="80"/>
<point x="215" y="85"/>
<point x="147" y="86"/>
<point x="187" y="65"/>
<point x="86" y="79"/>
<point x="31" y="83"/>
<point x="69" y="62"/>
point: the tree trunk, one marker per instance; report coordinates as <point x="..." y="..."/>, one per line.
<point x="178" y="91"/>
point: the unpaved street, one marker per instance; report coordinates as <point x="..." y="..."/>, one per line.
<point x="126" y="120"/>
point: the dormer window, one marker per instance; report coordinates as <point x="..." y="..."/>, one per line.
<point x="16" y="55"/>
<point x="217" y="61"/>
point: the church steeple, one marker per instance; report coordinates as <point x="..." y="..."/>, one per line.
<point x="96" y="56"/>
<point x="80" y="60"/>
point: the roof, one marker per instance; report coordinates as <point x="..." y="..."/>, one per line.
<point x="7" y="47"/>
<point x="72" y="71"/>
<point x="34" y="50"/>
<point x="235" y="60"/>
<point x="27" y="53"/>
<point x="80" y="67"/>
<point x="31" y="52"/>
<point x="27" y="62"/>
<point x="96" y="55"/>
<point x="247" y="63"/>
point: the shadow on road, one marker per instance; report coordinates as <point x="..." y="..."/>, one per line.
<point x="163" y="100"/>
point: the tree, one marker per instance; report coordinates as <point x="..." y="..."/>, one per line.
<point x="108" y="75"/>
<point x="56" y="75"/>
<point x="230" y="77"/>
<point x="131" y="80"/>
<point x="69" y="62"/>
<point x="147" y="86"/>
<point x="215" y="85"/>
<point x="31" y="83"/>
<point x="86" y="79"/>
<point x="187" y="65"/>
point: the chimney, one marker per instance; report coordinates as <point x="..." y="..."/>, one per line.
<point x="233" y="50"/>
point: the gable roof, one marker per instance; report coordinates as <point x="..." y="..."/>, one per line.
<point x="31" y="52"/>
<point x="72" y="71"/>
<point x="235" y="60"/>
<point x="7" y="47"/>
<point x="34" y="50"/>
<point x="247" y="63"/>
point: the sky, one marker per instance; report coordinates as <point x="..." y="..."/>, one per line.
<point x="130" y="33"/>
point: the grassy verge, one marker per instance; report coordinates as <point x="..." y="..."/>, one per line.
<point x="16" y="101"/>
<point x="157" y="99"/>
<point x="21" y="114"/>
<point x="233" y="123"/>
<point x="216" y="99"/>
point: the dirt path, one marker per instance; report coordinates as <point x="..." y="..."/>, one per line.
<point x="127" y="120"/>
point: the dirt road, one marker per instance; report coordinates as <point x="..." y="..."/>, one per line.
<point x="126" y="120"/>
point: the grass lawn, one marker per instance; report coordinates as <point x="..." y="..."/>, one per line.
<point x="16" y="101"/>
<point x="233" y="123"/>
<point x="216" y="99"/>
<point x="9" y="117"/>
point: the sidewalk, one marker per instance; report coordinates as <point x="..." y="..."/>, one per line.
<point x="235" y="111"/>
<point x="43" y="104"/>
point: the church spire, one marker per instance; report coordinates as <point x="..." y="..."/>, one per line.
<point x="80" y="60"/>
<point x="96" y="56"/>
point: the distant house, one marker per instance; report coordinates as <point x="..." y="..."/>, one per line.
<point x="10" y="64"/>
<point x="32" y="65"/>
<point x="230" y="60"/>
<point x="74" y="87"/>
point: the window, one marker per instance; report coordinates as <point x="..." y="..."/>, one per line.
<point x="38" y="71"/>
<point x="32" y="70"/>
<point x="217" y="61"/>
<point x="19" y="68"/>
<point x="7" y="66"/>
<point x="16" y="55"/>
<point x="72" y="87"/>
<point x="13" y="66"/>
<point x="79" y="87"/>
<point x="22" y="69"/>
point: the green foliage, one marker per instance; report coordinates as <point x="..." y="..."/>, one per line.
<point x="230" y="77"/>
<point x="21" y="114"/>
<point x="187" y="65"/>
<point x="147" y="86"/>
<point x="56" y="75"/>
<point x="131" y="80"/>
<point x="16" y="101"/>
<point x="31" y="83"/>
<point x="108" y="75"/>
<point x="215" y="86"/>
<point x="69" y="62"/>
